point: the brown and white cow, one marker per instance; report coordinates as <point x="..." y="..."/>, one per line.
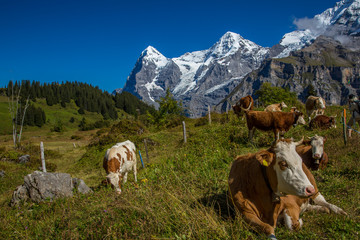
<point x="118" y="161"/>
<point x="314" y="105"/>
<point x="278" y="122"/>
<point x="276" y="107"/>
<point x="323" y="122"/>
<point x="245" y="102"/>
<point x="255" y="178"/>
<point x="312" y="153"/>
<point x="292" y="206"/>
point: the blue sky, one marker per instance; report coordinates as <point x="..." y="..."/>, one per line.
<point x="98" y="42"/>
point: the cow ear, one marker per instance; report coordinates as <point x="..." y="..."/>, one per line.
<point x="265" y="158"/>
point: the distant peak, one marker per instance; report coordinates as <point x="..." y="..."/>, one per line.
<point x="150" y="54"/>
<point x="231" y="35"/>
<point x="150" y="50"/>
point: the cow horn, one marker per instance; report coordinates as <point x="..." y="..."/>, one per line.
<point x="247" y="109"/>
<point x="299" y="142"/>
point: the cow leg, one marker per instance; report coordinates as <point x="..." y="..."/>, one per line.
<point x="135" y="172"/>
<point x="320" y="200"/>
<point x="251" y="133"/>
<point x="125" y="177"/>
<point x="277" y="135"/>
<point x="253" y="220"/>
<point x="317" y="208"/>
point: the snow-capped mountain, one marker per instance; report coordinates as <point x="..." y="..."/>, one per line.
<point x="203" y="78"/>
<point x="199" y="78"/>
<point x="340" y="22"/>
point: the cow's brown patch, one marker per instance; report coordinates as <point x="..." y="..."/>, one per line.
<point x="129" y="154"/>
<point x="112" y="165"/>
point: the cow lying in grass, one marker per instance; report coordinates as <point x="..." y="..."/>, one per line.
<point x="323" y="122"/>
<point x="312" y="153"/>
<point x="118" y="161"/>
<point x="276" y="107"/>
<point x="255" y="178"/>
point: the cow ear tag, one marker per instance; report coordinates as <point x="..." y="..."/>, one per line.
<point x="265" y="163"/>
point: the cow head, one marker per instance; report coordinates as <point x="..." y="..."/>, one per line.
<point x="320" y="103"/>
<point x="285" y="170"/>
<point x="115" y="181"/>
<point x="317" y="147"/>
<point x="283" y="105"/>
<point x="299" y="118"/>
<point x="332" y="122"/>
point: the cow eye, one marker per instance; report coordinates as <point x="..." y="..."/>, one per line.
<point x="283" y="165"/>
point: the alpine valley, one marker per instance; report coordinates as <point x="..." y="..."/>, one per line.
<point x="325" y="53"/>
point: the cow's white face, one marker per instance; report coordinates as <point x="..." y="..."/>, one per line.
<point x="301" y="120"/>
<point x="321" y="103"/>
<point x="317" y="147"/>
<point x="114" y="180"/>
<point x="283" y="105"/>
<point x="291" y="178"/>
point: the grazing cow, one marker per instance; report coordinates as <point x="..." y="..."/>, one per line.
<point x="323" y="122"/>
<point x="279" y="122"/>
<point x="244" y="102"/>
<point x="118" y="161"/>
<point x="255" y="178"/>
<point x="315" y="105"/>
<point x="276" y="107"/>
<point x="312" y="153"/>
<point x="292" y="206"/>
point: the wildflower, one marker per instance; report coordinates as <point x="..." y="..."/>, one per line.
<point x="144" y="180"/>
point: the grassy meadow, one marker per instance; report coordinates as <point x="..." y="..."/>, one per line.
<point x="182" y="191"/>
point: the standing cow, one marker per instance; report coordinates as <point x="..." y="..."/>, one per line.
<point x="315" y="105"/>
<point x="276" y="107"/>
<point x="255" y="178"/>
<point x="278" y="122"/>
<point x="118" y="161"/>
<point x="245" y="102"/>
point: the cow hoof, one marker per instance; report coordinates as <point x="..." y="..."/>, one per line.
<point x="272" y="237"/>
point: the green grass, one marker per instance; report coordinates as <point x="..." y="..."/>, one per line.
<point x="182" y="192"/>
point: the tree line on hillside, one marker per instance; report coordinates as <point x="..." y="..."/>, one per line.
<point x="86" y="97"/>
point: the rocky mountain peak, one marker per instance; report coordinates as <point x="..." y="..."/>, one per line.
<point x="152" y="55"/>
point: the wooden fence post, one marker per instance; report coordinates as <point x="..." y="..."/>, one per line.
<point x="209" y="114"/>
<point x="344" y="126"/>
<point x="42" y="156"/>
<point x="184" y="131"/>
<point x="146" y="150"/>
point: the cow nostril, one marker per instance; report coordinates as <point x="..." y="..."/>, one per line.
<point x="316" y="156"/>
<point x="310" y="191"/>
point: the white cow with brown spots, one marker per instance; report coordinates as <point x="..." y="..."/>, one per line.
<point x="118" y="161"/>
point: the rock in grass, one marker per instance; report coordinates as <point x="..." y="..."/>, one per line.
<point x="2" y="173"/>
<point x="40" y="186"/>
<point x="24" y="159"/>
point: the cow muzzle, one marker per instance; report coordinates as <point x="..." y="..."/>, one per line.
<point x="317" y="156"/>
<point x="309" y="191"/>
